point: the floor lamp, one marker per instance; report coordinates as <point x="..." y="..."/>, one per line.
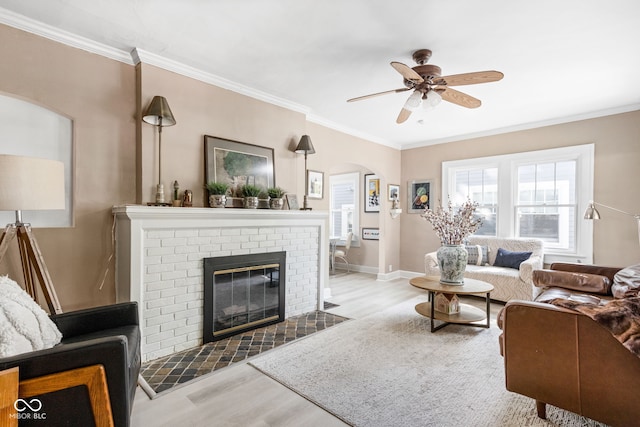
<point x="592" y="213"/>
<point x="30" y="184"/>
<point x="305" y="146"/>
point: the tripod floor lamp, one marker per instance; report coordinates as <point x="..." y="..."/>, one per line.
<point x="28" y="183"/>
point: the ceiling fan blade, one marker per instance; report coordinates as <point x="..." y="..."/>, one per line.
<point x="407" y="72"/>
<point x="403" y="116"/>
<point x="460" y="98"/>
<point x="471" y="78"/>
<point x="360" y="98"/>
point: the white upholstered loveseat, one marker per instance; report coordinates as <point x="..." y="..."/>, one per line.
<point x="508" y="283"/>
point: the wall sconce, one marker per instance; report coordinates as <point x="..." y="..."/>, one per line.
<point x="592" y="213"/>
<point x="395" y="208"/>
<point x="305" y="146"/>
<point x="159" y="114"/>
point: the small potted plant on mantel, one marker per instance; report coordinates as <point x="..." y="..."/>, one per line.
<point x="250" y="194"/>
<point x="275" y="197"/>
<point x="217" y="194"/>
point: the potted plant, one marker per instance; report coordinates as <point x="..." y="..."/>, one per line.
<point x="452" y="227"/>
<point x="217" y="194"/>
<point x="250" y="194"/>
<point x="275" y="197"/>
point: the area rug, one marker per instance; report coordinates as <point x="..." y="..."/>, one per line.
<point x="387" y="369"/>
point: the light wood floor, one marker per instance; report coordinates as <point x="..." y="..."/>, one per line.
<point x="242" y="396"/>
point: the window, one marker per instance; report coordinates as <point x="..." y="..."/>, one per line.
<point x="344" y="205"/>
<point x="536" y="194"/>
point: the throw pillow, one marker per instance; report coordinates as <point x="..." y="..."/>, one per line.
<point x="626" y="282"/>
<point x="24" y="325"/>
<point x="478" y="255"/>
<point x="505" y="258"/>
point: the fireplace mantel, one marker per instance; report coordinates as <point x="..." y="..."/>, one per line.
<point x="159" y="253"/>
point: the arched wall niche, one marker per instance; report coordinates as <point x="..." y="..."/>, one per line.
<point x="32" y="130"/>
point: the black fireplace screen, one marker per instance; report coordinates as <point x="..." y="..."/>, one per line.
<point x="242" y="292"/>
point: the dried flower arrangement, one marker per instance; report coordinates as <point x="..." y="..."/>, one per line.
<point x="453" y="226"/>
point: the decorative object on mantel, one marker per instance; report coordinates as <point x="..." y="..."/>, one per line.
<point x="31" y="184"/>
<point x="250" y="194"/>
<point x="276" y="195"/>
<point x="592" y="213"/>
<point x="159" y="114"/>
<point x="187" y="199"/>
<point x="305" y="146"/>
<point x="217" y="194"/>
<point x="177" y="200"/>
<point x="292" y="201"/>
<point x="452" y="227"/>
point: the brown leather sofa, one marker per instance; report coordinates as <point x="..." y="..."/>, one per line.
<point x="563" y="358"/>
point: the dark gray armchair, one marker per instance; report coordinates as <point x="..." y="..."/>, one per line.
<point x="107" y="336"/>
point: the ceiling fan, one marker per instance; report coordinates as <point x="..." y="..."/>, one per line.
<point x="430" y="87"/>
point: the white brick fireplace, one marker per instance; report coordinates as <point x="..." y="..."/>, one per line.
<point x="159" y="253"/>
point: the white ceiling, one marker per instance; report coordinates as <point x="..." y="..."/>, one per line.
<point x="562" y="60"/>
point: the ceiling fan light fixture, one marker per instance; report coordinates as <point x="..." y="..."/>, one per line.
<point x="413" y="101"/>
<point x="433" y="98"/>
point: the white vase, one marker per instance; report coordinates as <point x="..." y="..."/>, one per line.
<point x="452" y="260"/>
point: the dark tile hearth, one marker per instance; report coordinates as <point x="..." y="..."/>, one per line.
<point x="167" y="372"/>
<point x="329" y="305"/>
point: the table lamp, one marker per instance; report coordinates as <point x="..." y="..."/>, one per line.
<point x="305" y="146"/>
<point x="159" y="114"/>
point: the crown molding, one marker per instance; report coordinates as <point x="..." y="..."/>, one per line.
<point x="38" y="28"/>
<point x="142" y="56"/>
<point x="527" y="126"/>
<point x="350" y="131"/>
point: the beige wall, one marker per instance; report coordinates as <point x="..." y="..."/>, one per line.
<point x="617" y="153"/>
<point x="98" y="94"/>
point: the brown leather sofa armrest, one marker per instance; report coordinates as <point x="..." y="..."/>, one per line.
<point x="609" y="272"/>
<point x="577" y="281"/>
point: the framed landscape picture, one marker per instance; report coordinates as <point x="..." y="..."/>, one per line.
<point x="371" y="193"/>
<point x="237" y="163"/>
<point x="420" y="195"/>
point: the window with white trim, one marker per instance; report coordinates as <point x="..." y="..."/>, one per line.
<point x="344" y="207"/>
<point x="533" y="194"/>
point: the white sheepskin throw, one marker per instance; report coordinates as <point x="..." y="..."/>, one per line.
<point x="24" y="325"/>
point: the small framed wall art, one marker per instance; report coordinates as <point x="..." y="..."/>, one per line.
<point x="393" y="191"/>
<point x="370" y="233"/>
<point x="315" y="184"/>
<point x="419" y="195"/>
<point x="371" y="193"/>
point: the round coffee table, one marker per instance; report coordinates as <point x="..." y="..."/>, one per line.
<point x="468" y="315"/>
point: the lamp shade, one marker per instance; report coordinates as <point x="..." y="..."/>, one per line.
<point x="305" y="146"/>
<point x="591" y="212"/>
<point x="29" y="183"/>
<point x="159" y="113"/>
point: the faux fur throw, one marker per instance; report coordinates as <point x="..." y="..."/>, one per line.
<point x="621" y="317"/>
<point x="24" y="325"/>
